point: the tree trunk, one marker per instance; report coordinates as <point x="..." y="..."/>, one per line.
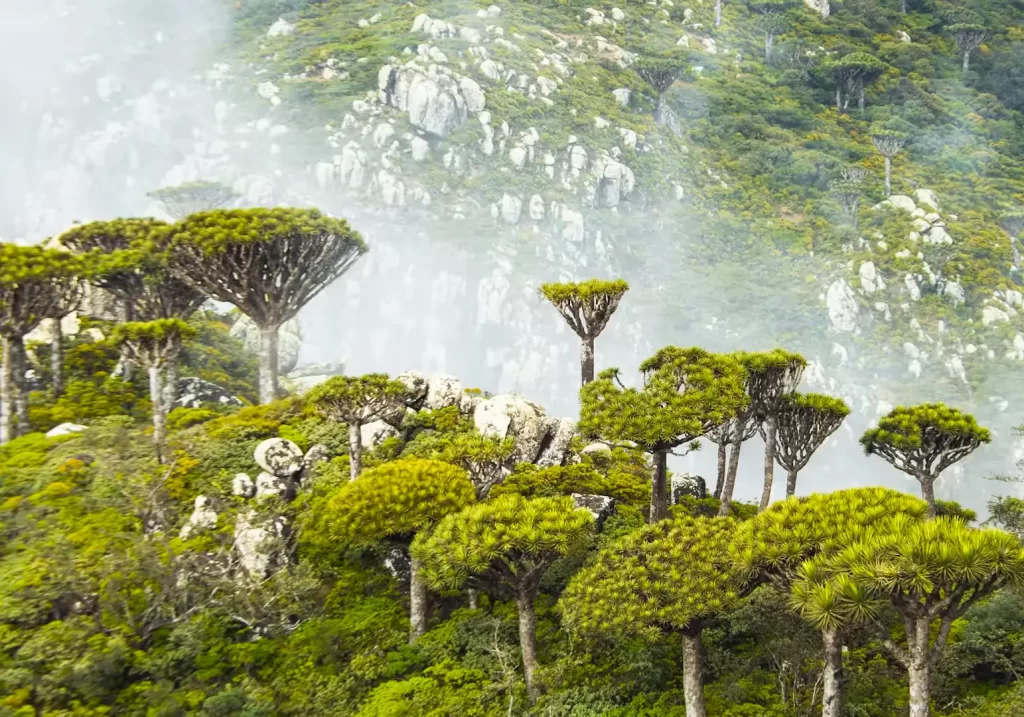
<point x="839" y="99"/>
<point x="587" y="360"/>
<point x="693" y="675"/>
<point x="928" y="493"/>
<point x="21" y="386"/>
<point x="355" y="449"/>
<point x="268" y="364"/>
<point x="528" y="640"/>
<point x="417" y="602"/>
<point x="967" y="61"/>
<point x="888" y="176"/>
<point x="474" y="598"/>
<point x="156" y="396"/>
<point x="769" y="461"/>
<point x="734" y="464"/>
<point x="723" y="457"/>
<point x="170" y="388"/>
<point x="718" y="13"/>
<point x="659" y="489"/>
<point x="903" y="6"/>
<point x="919" y="669"/>
<point x="767" y="45"/>
<point x="7" y="391"/>
<point x="57" y="359"/>
<point x="832" y="675"/>
<point x="791" y="483"/>
<point x="860" y="99"/>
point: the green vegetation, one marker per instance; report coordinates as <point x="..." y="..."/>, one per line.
<point x="586" y="307"/>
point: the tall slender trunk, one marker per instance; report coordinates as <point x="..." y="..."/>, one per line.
<point x="528" y="640"/>
<point x="355" y="449"/>
<point x="723" y="457"/>
<point x="839" y="99"/>
<point x="587" y="360"/>
<point x="768" y="45"/>
<point x="156" y="396"/>
<point x="903" y="6"/>
<point x="769" y="461"/>
<point x="21" y="385"/>
<point x="268" y="364"/>
<point x="417" y="602"/>
<point x="659" y="489"/>
<point x="126" y="361"/>
<point x="832" y="674"/>
<point x="718" y="13"/>
<point x="734" y="464"/>
<point x="919" y="668"/>
<point x="888" y="176"/>
<point x="967" y="61"/>
<point x="7" y="390"/>
<point x="928" y="492"/>
<point x="791" y="483"/>
<point x="170" y="389"/>
<point x="57" y="358"/>
<point x="474" y="598"/>
<point x="693" y="674"/>
<point x="860" y="99"/>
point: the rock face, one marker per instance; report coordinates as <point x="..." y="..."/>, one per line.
<point x="289" y="341"/>
<point x="271" y="486"/>
<point x="512" y="415"/>
<point x="374" y="433"/>
<point x="560" y="431"/>
<point x="257" y="540"/>
<point x="301" y="380"/>
<point x="687" y="484"/>
<point x="65" y="429"/>
<point x="315" y="457"/>
<point x="842" y="306"/>
<point x="599" y="506"/>
<point x="442" y="391"/>
<point x="195" y="392"/>
<point x="279" y="457"/>
<point x="203" y="518"/>
<point x="242" y="486"/>
<point x="434" y="101"/>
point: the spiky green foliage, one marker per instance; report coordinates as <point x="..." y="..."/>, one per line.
<point x="584" y="292"/>
<point x="771" y="547"/>
<point x="686" y="393"/>
<point x="770" y="375"/>
<point x="532" y="481"/>
<point x="484" y="458"/>
<point x="394" y="500"/>
<point x="35" y="284"/>
<point x="267" y="262"/>
<point x="924" y="440"/>
<point x="191" y="197"/>
<point x="803" y="421"/>
<point x="502" y="545"/>
<point x="357" y="399"/>
<point x="662" y="71"/>
<point x="669" y="577"/>
<point x="852" y="73"/>
<point x="153" y="343"/>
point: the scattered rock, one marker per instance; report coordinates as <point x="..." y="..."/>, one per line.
<point x="512" y="415"/>
<point x="559" y="433"/>
<point x="281" y="28"/>
<point x="902" y="201"/>
<point x="65" y="429"/>
<point x="279" y="457"/>
<point x="202" y="518"/>
<point x="301" y="380"/>
<point x="417" y="385"/>
<point x="195" y="392"/>
<point x="271" y="486"/>
<point x="317" y="455"/>
<point x="927" y="196"/>
<point x="993" y="314"/>
<point x="842" y="306"/>
<point x="688" y="484"/>
<point x="599" y="506"/>
<point x="376" y="432"/>
<point x="511" y="209"/>
<point x="254" y="541"/>
<point x="242" y="486"/>
<point x="442" y="391"/>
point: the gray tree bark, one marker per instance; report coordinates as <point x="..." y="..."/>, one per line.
<point x="919" y="668"/>
<point x="888" y="176"/>
<point x="156" y="396"/>
<point x="7" y="390"/>
<point x="718" y="13"/>
<point x="734" y="463"/>
<point x="268" y="364"/>
<point x="21" y="386"/>
<point x="693" y="675"/>
<point x="723" y="457"/>
<point x="528" y="640"/>
<point x="928" y="492"/>
<point x="170" y="388"/>
<point x="57" y="359"/>
<point x="769" y="461"/>
<point x="355" y="449"/>
<point x="417" y="602"/>
<point x="967" y="61"/>
<point x="587" y="360"/>
<point x="791" y="483"/>
<point x="659" y="489"/>
<point x="832" y="675"/>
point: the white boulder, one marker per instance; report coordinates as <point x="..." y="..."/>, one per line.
<point x="279" y="457"/>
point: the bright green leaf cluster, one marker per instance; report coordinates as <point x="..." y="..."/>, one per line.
<point x="153" y="342"/>
<point x="220" y="230"/>
<point x="35" y="284"/>
<point x="507" y="542"/>
<point x="394" y="500"/>
<point x="583" y="291"/>
<point x="662" y="578"/>
<point x="349" y="399"/>
<point x="532" y="481"/>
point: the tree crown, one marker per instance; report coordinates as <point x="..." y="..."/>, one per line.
<point x="666" y="577"/>
<point x="152" y="332"/>
<point x="395" y="499"/>
<point x="509" y="540"/>
<point x="925" y="438"/>
<point x="770" y="375"/>
<point x="106" y="237"/>
<point x="357" y="398"/>
<point x="583" y="291"/>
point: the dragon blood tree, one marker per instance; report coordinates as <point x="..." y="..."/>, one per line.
<point x="930" y="573"/>
<point x="803" y="421"/>
<point x="725" y="436"/>
<point x="356" y="401"/>
<point x="672" y="577"/>
<point x="924" y="440"/>
<point x="395" y="502"/>
<point x="503" y="547"/>
<point x="184" y="199"/>
<point x="770" y="549"/>
<point x="686" y="393"/>
<point x="267" y="262"/>
<point x="586" y="307"/>
<point x="35" y="284"/>
<point x="153" y="344"/>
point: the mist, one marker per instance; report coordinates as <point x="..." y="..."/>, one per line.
<point x="106" y="100"/>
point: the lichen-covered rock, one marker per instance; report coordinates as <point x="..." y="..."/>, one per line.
<point x="513" y="415"/>
<point x="203" y="518"/>
<point x="599" y="506"/>
<point x="434" y="101"/>
<point x="242" y="486"/>
<point x="442" y="391"/>
<point x="258" y="542"/>
<point x="65" y="429"/>
<point x="270" y="486"/>
<point x="279" y="457"/>
<point x="559" y="433"/>
<point x="376" y="432"/>
<point x="289" y="340"/>
<point x="317" y="455"/>
<point x="842" y="306"/>
<point x="195" y="392"/>
<point x="417" y="385"/>
<point x="688" y="484"/>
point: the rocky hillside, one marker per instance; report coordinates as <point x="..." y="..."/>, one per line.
<point x="486" y="148"/>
